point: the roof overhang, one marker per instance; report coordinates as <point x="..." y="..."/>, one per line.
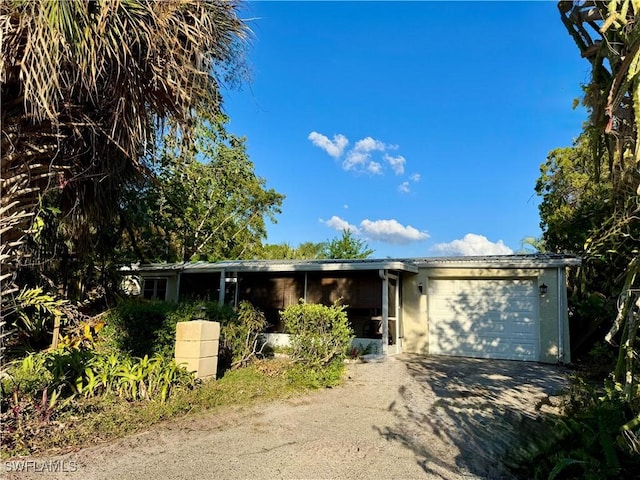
<point x="410" y="265"/>
<point x="501" y="261"/>
<point x="276" y="266"/>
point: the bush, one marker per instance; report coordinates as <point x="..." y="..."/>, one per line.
<point x="240" y="335"/>
<point x="320" y="337"/>
<point x="141" y="327"/>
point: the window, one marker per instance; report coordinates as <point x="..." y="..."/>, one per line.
<point x="155" y="288"/>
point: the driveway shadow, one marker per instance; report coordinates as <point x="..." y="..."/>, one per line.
<point x="491" y="411"/>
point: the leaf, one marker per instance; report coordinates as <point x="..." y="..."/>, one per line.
<point x="562" y="464"/>
<point x="630" y="425"/>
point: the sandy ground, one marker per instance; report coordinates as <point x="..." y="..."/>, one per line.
<point x="407" y="417"/>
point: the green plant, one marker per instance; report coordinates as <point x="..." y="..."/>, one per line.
<point x="320" y="336"/>
<point x="106" y="416"/>
<point x="240" y="336"/>
<point x="141" y="327"/>
<point x="589" y="441"/>
<point x="29" y="375"/>
<point x="37" y="314"/>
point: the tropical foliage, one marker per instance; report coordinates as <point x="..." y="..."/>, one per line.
<point x="206" y="203"/>
<point x="591" y="207"/>
<point x="86" y="87"/>
<point x="39" y="387"/>
<point x="345" y="246"/>
<point x="613" y="100"/>
<point x="284" y="251"/>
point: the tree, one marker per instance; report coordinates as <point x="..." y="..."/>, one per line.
<point x="284" y="251"/>
<point x="347" y="247"/>
<point x="205" y="204"/>
<point x="85" y="86"/>
<point x="573" y="210"/>
<point x="608" y="36"/>
<point x="532" y="244"/>
<point x="574" y="205"/>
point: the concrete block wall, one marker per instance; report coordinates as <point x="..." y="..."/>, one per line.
<point x="197" y="347"/>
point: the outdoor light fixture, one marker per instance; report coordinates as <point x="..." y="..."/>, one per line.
<point x="543" y="290"/>
<point x="421" y="288"/>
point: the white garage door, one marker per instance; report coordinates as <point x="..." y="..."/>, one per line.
<point x="496" y="318"/>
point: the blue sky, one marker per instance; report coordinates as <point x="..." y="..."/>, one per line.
<point x="420" y="126"/>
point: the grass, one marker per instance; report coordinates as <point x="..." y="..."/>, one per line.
<point x="93" y="420"/>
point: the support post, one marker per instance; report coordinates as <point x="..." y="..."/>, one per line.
<point x="222" y="288"/>
<point x="385" y="311"/>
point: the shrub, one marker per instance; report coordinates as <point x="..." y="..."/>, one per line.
<point x="320" y="337"/>
<point x="142" y="327"/>
<point x="241" y="334"/>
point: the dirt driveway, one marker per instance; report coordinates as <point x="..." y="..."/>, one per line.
<point x="407" y="417"/>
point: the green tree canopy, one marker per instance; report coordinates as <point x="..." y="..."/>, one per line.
<point x="347" y="246"/>
<point x="284" y="251"/>
<point x="85" y="87"/>
<point x="206" y="203"/>
<point x="608" y="36"/>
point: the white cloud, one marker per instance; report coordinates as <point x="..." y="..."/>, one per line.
<point x="473" y="244"/>
<point x="339" y="224"/>
<point x="375" y="168"/>
<point x="404" y="187"/>
<point x="369" y="144"/>
<point x="333" y="148"/>
<point x="415" y="177"/>
<point x="391" y="231"/>
<point x="355" y="160"/>
<point x="386" y="231"/>
<point x="397" y="163"/>
<point x="358" y="158"/>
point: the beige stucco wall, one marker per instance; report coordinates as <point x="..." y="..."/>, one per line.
<point x="415" y="306"/>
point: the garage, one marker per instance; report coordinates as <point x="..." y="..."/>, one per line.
<point x="484" y="318"/>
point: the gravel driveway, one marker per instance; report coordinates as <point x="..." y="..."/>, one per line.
<point x="406" y="417"/>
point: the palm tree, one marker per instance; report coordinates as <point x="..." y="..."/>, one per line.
<point x="85" y="86"/>
<point x="608" y="36"/>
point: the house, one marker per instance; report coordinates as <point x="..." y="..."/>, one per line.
<point x="503" y="307"/>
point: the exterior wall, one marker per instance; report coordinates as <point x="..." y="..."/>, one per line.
<point x="415" y="307"/>
<point x="362" y="292"/>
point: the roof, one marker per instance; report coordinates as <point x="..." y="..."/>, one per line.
<point x="402" y="264"/>
<point x="279" y="266"/>
<point x="536" y="260"/>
